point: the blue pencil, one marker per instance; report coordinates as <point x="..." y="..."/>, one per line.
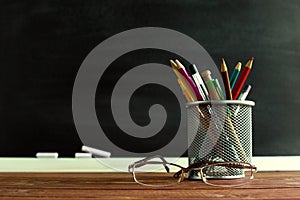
<point x="235" y="74"/>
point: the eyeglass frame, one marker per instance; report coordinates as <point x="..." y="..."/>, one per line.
<point x="183" y="172"/>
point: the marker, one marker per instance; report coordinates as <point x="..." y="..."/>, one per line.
<point x="96" y="152"/>
<point x="213" y="93"/>
<point x="198" y="81"/>
<point x="83" y="155"/>
<point x="235" y="74"/>
<point x="47" y="155"/>
<point x="184" y="73"/>
<point x="224" y="73"/>
<point x="241" y="79"/>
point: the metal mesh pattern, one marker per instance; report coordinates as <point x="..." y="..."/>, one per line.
<point x="220" y="132"/>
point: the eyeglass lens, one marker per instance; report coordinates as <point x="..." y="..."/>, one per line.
<point x="155" y="174"/>
<point x="222" y="175"/>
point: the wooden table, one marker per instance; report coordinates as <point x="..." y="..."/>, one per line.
<point x="267" y="185"/>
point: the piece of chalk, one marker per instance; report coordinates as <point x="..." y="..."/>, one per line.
<point x="83" y="155"/>
<point x="96" y="152"/>
<point x="46" y="155"/>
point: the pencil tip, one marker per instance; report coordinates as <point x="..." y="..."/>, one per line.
<point x="173" y="64"/>
<point x="223" y="61"/>
<point x="223" y="65"/>
<point x="250" y="62"/>
<point x="178" y="64"/>
<point x="238" y="66"/>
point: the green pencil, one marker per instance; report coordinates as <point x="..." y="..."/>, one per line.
<point x="235" y="74"/>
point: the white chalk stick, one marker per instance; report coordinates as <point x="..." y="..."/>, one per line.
<point x="83" y="155"/>
<point x="47" y="155"/>
<point x="96" y="152"/>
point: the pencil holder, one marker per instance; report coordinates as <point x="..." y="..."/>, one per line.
<point x="219" y="131"/>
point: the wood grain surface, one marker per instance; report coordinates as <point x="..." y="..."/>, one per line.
<point x="266" y="185"/>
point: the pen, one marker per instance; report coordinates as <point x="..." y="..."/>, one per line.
<point x="235" y="74"/>
<point x="225" y="77"/>
<point x="198" y="81"/>
<point x="243" y="97"/>
<point x="186" y="89"/>
<point x="184" y="73"/>
<point x="241" y="79"/>
<point x="244" y="93"/>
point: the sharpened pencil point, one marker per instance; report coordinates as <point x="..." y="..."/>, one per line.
<point x="173" y="64"/>
<point x="178" y="64"/>
<point x="223" y="66"/>
<point x="238" y="66"/>
<point x="249" y="63"/>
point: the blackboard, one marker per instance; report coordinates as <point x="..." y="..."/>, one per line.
<point x="43" y="44"/>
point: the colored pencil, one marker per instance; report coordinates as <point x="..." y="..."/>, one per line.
<point x="185" y="86"/>
<point x="235" y="74"/>
<point x="184" y="73"/>
<point x="242" y="78"/>
<point x="224" y="73"/>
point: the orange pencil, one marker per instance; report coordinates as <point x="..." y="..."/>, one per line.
<point x="226" y="81"/>
<point x="242" y="78"/>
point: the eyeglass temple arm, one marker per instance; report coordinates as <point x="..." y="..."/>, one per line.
<point x="197" y="165"/>
<point x="143" y="162"/>
<point x="242" y="166"/>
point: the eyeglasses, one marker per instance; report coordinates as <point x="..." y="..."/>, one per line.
<point x="157" y="172"/>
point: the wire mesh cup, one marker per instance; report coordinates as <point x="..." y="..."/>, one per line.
<point x="220" y="131"/>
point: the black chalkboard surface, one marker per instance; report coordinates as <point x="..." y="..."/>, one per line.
<point x="43" y="43"/>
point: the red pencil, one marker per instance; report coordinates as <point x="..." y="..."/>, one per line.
<point x="241" y="80"/>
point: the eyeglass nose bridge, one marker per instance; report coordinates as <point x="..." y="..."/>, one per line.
<point x="181" y="174"/>
<point x="185" y="174"/>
